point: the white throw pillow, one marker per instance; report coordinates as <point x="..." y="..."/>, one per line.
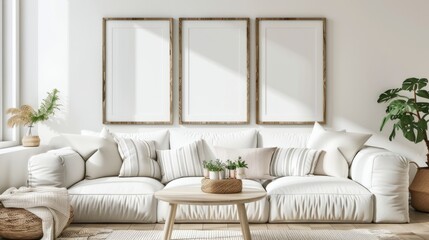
<point x="340" y="149"/>
<point x="57" y="168"/>
<point x="294" y="161"/>
<point x="182" y="162"/>
<point x="257" y="159"/>
<point x="138" y="158"/>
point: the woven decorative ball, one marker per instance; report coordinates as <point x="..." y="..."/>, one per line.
<point x="18" y="223"/>
<point x="223" y="186"/>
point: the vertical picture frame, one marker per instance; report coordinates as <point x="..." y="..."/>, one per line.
<point x="214" y="71"/>
<point x="137" y="70"/>
<point x="290" y="71"/>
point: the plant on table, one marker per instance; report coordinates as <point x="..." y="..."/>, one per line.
<point x="231" y="166"/>
<point x="241" y="166"/>
<point x="27" y="116"/>
<point x="215" y="168"/>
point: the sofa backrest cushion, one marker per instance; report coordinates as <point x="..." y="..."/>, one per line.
<point x="161" y="137"/>
<point x="101" y="155"/>
<point x="57" y="168"/>
<point x="283" y="138"/>
<point x="220" y="138"/>
<point x="257" y="159"/>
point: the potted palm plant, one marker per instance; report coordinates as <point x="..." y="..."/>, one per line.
<point x="408" y="109"/>
<point x="27" y="116"/>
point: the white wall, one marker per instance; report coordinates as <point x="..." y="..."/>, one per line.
<point x="371" y="46"/>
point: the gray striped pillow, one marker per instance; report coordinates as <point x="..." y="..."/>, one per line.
<point x="138" y="158"/>
<point x="293" y="161"/>
<point x="182" y="162"/>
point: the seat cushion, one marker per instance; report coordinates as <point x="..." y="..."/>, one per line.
<point x="319" y="199"/>
<point x="114" y="199"/>
<point x="257" y="212"/>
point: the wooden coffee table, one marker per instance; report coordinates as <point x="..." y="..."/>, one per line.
<point x="194" y="196"/>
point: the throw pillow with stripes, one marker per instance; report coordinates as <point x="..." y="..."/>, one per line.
<point x="293" y="161"/>
<point x="138" y="158"/>
<point x="181" y="162"/>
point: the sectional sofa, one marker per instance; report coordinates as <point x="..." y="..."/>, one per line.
<point x="376" y="189"/>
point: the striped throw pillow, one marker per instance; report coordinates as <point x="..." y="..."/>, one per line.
<point x="293" y="161"/>
<point x="138" y="158"/>
<point x="181" y="162"/>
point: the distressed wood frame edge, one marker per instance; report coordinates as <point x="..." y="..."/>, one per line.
<point x="258" y="121"/>
<point x="104" y="25"/>
<point x="181" y="122"/>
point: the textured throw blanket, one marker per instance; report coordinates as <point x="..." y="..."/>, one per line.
<point x="50" y="204"/>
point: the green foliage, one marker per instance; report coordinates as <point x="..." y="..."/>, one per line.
<point x="47" y="108"/>
<point x="407" y="113"/>
<point x="231" y="165"/>
<point x="241" y="163"/>
<point x="215" y="166"/>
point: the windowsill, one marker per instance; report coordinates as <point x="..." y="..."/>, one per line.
<point x="8" y="144"/>
<point x="20" y="148"/>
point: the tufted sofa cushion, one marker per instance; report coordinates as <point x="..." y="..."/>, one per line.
<point x="319" y="198"/>
<point x="114" y="199"/>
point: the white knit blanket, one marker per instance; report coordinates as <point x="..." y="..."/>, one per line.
<point x="50" y="204"/>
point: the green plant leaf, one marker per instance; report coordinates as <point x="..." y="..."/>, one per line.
<point x="393" y="133"/>
<point x="411" y="84"/>
<point x="423" y="93"/>
<point x="388" y="95"/>
<point x="422" y="107"/>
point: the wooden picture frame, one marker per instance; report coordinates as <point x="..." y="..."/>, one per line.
<point x="137" y="51"/>
<point x="291" y="50"/>
<point x="219" y="62"/>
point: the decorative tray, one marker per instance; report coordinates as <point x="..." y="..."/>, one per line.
<point x="223" y="186"/>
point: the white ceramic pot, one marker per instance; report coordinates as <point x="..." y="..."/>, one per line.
<point x="214" y="175"/>
<point x="240" y="173"/>
<point x="232" y="173"/>
<point x="206" y="172"/>
<point x="222" y="174"/>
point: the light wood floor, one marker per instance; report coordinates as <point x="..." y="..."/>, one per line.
<point x="418" y="229"/>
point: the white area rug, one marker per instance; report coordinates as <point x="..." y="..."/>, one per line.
<point x="357" y="234"/>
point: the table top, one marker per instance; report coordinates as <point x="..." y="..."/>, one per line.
<point x="194" y="196"/>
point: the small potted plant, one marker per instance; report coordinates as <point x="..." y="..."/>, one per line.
<point x="27" y="116"/>
<point x="205" y="169"/>
<point x="241" y="166"/>
<point x="231" y="166"/>
<point x="214" y="167"/>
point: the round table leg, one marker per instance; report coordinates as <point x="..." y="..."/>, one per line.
<point x="169" y="222"/>
<point x="243" y="221"/>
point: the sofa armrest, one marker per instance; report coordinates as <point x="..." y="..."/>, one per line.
<point x="57" y="168"/>
<point x="384" y="174"/>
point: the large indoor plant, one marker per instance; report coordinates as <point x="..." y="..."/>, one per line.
<point x="408" y="109"/>
<point x="27" y="116"/>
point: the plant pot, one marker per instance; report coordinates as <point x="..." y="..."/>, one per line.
<point x="30" y="141"/>
<point x="214" y="175"/>
<point x="240" y="173"/>
<point x="222" y="174"/>
<point x="206" y="172"/>
<point x="227" y="173"/>
<point x="232" y="173"/>
<point x="419" y="190"/>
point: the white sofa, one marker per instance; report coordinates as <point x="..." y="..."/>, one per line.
<point x="376" y="190"/>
